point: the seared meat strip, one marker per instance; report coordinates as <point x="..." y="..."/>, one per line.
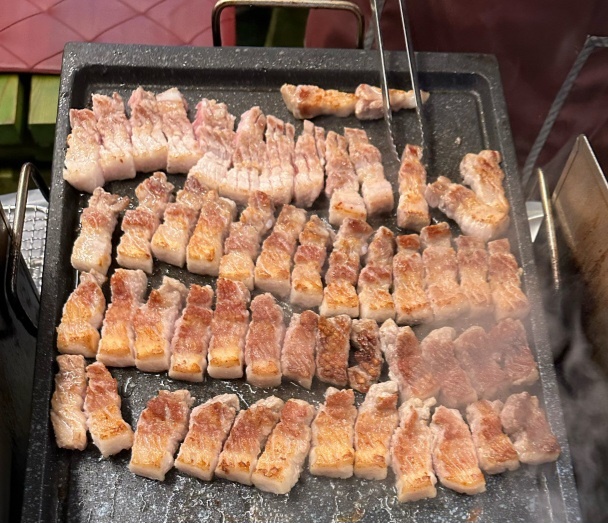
<point x="365" y="337"/>
<point x="412" y="211"/>
<point x="308" y="101"/>
<point x="309" y="161"/>
<point x="298" y="353"/>
<point x="277" y="176"/>
<point x="333" y="347"/>
<point x="483" y="174"/>
<point x="214" y="129"/>
<point x="369" y="101"/>
<point x="473" y="271"/>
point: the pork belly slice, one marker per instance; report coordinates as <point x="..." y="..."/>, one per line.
<point x="273" y="266"/>
<point x="412" y="306"/>
<point x="483" y="174"/>
<point x="333" y="347"/>
<point x="406" y="365"/>
<point x="308" y="101"/>
<point x="411" y="452"/>
<point x="526" y="424"/>
<point x="282" y="461"/>
<point x="211" y="170"/>
<point x="93" y="247"/>
<point x="210" y="424"/>
<point x="473" y="272"/>
<point x="228" y="330"/>
<point x="117" y="344"/>
<point x="369" y="104"/>
<point x="183" y="150"/>
<point x="438" y="350"/>
<point x="147" y="138"/>
<point x="116" y="153"/>
<point x="170" y="240"/>
<point x="494" y="448"/>
<point x="78" y="332"/>
<point x="346" y="203"/>
<point x="376" y="421"/>
<point x="413" y="210"/>
<point x="246" y="440"/>
<point x="264" y="341"/>
<point x="510" y="345"/>
<point x="309" y="165"/>
<point x="160" y="429"/>
<point x="473" y="351"/>
<point x="298" y="353"/>
<point x="277" y="176"/>
<point x="365" y="337"/>
<point x="505" y="282"/>
<point x="82" y="167"/>
<point x="214" y="129"/>
<point x="191" y="338"/>
<point x="67" y="415"/>
<point x="154" y="325"/>
<point x="333" y="435"/>
<point x="109" y="431"/>
<point x="441" y="273"/>
<point x="454" y="456"/>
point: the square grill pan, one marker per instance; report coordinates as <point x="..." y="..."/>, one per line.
<point x="466" y="112"/>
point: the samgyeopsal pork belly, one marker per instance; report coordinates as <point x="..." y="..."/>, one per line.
<point x="263" y="342"/>
<point x="483" y="174"/>
<point x="473" y="351"/>
<point x="306" y="284"/>
<point x="206" y="245"/>
<point x="170" y="240"/>
<point x="494" y="448"/>
<point x="505" y="283"/>
<point x="441" y="273"/>
<point x="333" y="347"/>
<point x="406" y="365"/>
<point x="411" y="452"/>
<point x="154" y="325"/>
<point x="116" y="153"/>
<point x="412" y="305"/>
<point x="228" y="330"/>
<point x="277" y="176"/>
<point x="376" y="278"/>
<point x="369" y="101"/>
<point x="78" y="332"/>
<point x="473" y="271"/>
<point x="298" y="353"/>
<point x="210" y="424"/>
<point x="246" y="440"/>
<point x="67" y="416"/>
<point x="438" y="350"/>
<point x="109" y="431"/>
<point x="183" y="150"/>
<point x="376" y="421"/>
<point x="282" y="461"/>
<point x="454" y="456"/>
<point x="510" y="346"/>
<point x="82" y="169"/>
<point x="365" y="337"/>
<point x="191" y="338"/>
<point x="412" y="210"/>
<point x="308" y="101"/>
<point x="525" y="422"/>
<point x="309" y="161"/>
<point x="160" y="429"/>
<point x="214" y="129"/>
<point x="333" y="435"/>
<point x="117" y="344"/>
<point x="139" y="225"/>
<point x="93" y="247"/>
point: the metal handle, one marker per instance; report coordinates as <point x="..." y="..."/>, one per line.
<point x="341" y="5"/>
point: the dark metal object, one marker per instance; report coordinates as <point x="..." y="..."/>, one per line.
<point x="467" y="113"/>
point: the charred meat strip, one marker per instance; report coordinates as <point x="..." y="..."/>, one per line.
<point x="473" y="271"/>
<point x="369" y="101"/>
<point x="298" y="353"/>
<point x="308" y="101"/>
<point x="365" y="337"/>
<point x="333" y="347"/>
<point x="413" y="210"/>
<point x="161" y="427"/>
<point x="213" y="127"/>
<point x="309" y="162"/>
<point x="67" y="416"/>
<point x="277" y="176"/>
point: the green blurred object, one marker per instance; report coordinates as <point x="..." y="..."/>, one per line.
<point x="44" y="94"/>
<point x="252" y="25"/>
<point x="287" y="27"/>
<point x="11" y="109"/>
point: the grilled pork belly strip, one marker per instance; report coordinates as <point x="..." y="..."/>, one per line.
<point x="526" y="424"/>
<point x="333" y="347"/>
<point x="298" y="353"/>
<point x="473" y="272"/>
<point x="263" y="342"/>
<point x="309" y="161"/>
<point x="376" y="421"/>
<point x="109" y="431"/>
<point x="117" y="344"/>
<point x="483" y="174"/>
<point x="509" y="342"/>
<point x="413" y="210"/>
<point x="93" y="247"/>
<point x="277" y="176"/>
<point x="228" y="330"/>
<point x="192" y="333"/>
<point x="67" y="416"/>
<point x="210" y="424"/>
<point x="494" y="449"/>
<point x="246" y="440"/>
<point x="454" y="456"/>
<point x="411" y="452"/>
<point x="161" y="427"/>
<point x="282" y="461"/>
<point x="214" y="129"/>
<point x="333" y="453"/>
<point x="369" y="101"/>
<point x="154" y="325"/>
<point x="365" y="337"/>
<point x="78" y="332"/>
